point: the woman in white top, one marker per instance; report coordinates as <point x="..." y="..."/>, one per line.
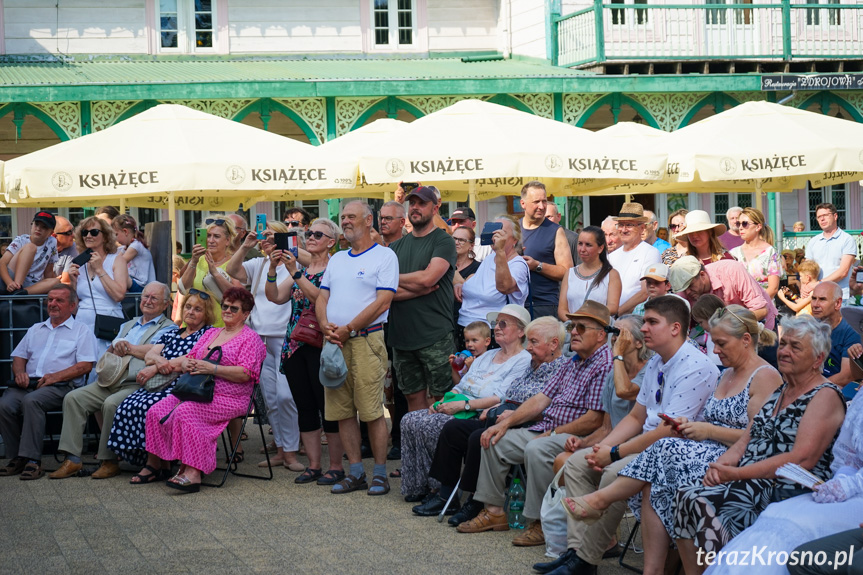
<point x="484" y="385"/>
<point x="592" y="279"/>
<point x="101" y="282"/>
<point x="501" y="279"/>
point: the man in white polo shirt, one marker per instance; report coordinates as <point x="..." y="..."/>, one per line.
<point x="354" y="301"/>
<point x="634" y="254"/>
<point x="833" y="249"/>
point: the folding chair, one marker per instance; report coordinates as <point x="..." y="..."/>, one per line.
<point x="232" y="466"/>
<point x="630" y="545"/>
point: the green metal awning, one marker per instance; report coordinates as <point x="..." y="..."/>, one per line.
<point x="135" y="78"/>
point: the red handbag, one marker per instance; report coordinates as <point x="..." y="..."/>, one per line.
<point x="308" y="330"/>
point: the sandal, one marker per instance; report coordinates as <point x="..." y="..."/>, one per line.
<point x="580" y="510"/>
<point x="152" y="477"/>
<point x="239" y="457"/>
<point x="397" y="474"/>
<point x="31" y="471"/>
<point x="183" y="484"/>
<point x="331" y="477"/>
<point x="308" y="475"/>
<point x="350" y="484"/>
<point x="379" y="486"/>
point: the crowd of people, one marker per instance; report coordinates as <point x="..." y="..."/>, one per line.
<point x="673" y="377"/>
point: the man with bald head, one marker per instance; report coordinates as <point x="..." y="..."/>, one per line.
<point x="826" y="305"/>
<point x="612" y="240"/>
<point x="64" y="233"/>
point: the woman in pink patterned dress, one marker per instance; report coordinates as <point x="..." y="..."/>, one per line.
<point x="191" y="429"/>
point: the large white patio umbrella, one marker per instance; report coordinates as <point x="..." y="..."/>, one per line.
<point x="169" y="153"/>
<point x="473" y="142"/>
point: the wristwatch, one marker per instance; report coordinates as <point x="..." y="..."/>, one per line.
<point x="539" y="267"/>
<point x="297" y="275"/>
<point x="467" y="405"/>
<point x="615" y="453"/>
<point x="353" y="333"/>
<point x="618" y="358"/>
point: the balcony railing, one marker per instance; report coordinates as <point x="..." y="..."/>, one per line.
<point x="680" y="32"/>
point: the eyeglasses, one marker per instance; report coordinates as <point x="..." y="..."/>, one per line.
<point x="504" y="324"/>
<point x="199" y="293"/>
<point x="387" y="219"/>
<point x="230" y="308"/>
<point x="461" y="240"/>
<point x="580" y="328"/>
<point x="676" y="227"/>
<point x="628" y="225"/>
<point x="660" y="379"/>
<point x="211" y="221"/>
<point x="94" y="232"/>
<point x="69" y="233"/>
<point x="293" y="223"/>
<point x="745" y="224"/>
<point x="317" y="235"/>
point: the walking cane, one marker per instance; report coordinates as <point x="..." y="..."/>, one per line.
<point x="448" y="501"/>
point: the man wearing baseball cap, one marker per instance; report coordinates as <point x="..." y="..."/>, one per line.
<point x="27" y="267"/>
<point x="655" y="277"/>
<point x="728" y="280"/>
<point x="421" y="318"/>
<point x="464" y="217"/>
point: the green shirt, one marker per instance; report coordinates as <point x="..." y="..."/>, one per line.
<point x="422" y="321"/>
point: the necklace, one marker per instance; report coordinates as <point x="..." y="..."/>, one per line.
<point x="586" y="277"/>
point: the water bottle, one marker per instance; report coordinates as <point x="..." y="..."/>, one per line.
<point x="458" y="360"/>
<point x="515" y="511"/>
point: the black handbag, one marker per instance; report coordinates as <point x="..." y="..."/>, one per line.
<point x="494" y="412"/>
<point x="198" y="387"/>
<point x="105" y="327"/>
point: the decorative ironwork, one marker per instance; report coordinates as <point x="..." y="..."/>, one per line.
<point x="668" y="109"/>
<point x="429" y="104"/>
<point x="540" y="104"/>
<point x="348" y="110"/>
<point x="313" y="111"/>
<point x="575" y="105"/>
<point x="105" y="114"/>
<point x="66" y="114"/>
<point x="222" y="108"/>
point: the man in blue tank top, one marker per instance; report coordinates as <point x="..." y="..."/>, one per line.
<point x="546" y="251"/>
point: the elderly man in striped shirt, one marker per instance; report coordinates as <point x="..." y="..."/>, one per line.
<point x="570" y="404"/>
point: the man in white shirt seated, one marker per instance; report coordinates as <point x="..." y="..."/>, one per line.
<point x="54" y="356"/>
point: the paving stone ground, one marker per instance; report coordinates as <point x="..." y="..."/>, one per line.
<point x="81" y="525"/>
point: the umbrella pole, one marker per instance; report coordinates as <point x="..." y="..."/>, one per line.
<point x="172" y="214"/>
<point x="122" y="205"/>
<point x="777" y="207"/>
<point x="471" y="195"/>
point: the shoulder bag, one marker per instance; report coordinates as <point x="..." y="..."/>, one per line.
<point x="308" y="330"/>
<point x="105" y="327"/>
<point x="198" y="387"/>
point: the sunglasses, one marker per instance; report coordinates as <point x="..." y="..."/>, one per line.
<point x="746" y="224"/>
<point x="93" y="232"/>
<point x="677" y="226"/>
<point x="69" y="233"/>
<point x="230" y="308"/>
<point x="317" y="235"/>
<point x="199" y="293"/>
<point x="723" y="310"/>
<point x="293" y="224"/>
<point x="503" y="324"/>
<point x="211" y="221"/>
<point x="580" y="328"/>
<point x="661" y="380"/>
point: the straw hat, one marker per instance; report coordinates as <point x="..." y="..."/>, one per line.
<point x="112" y="369"/>
<point x="631" y="212"/>
<point x="699" y="220"/>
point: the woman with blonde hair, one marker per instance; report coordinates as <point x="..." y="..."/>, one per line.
<point x="757" y="252"/>
<point x="205" y="271"/>
<point x="703" y="237"/>
<point x="679" y="245"/>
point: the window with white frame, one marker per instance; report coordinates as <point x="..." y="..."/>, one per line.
<point x="836" y="195"/>
<point x="618" y="15"/>
<point x="393" y="24"/>
<point x="722" y="203"/>
<point x="186" y="25"/>
<point x="813" y="15"/>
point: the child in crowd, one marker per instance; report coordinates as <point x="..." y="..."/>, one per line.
<point x="135" y="252"/>
<point x="477" y="338"/>
<point x="809" y="271"/>
<point x="655" y="276"/>
<point x="27" y="265"/>
<point x="702" y="310"/>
